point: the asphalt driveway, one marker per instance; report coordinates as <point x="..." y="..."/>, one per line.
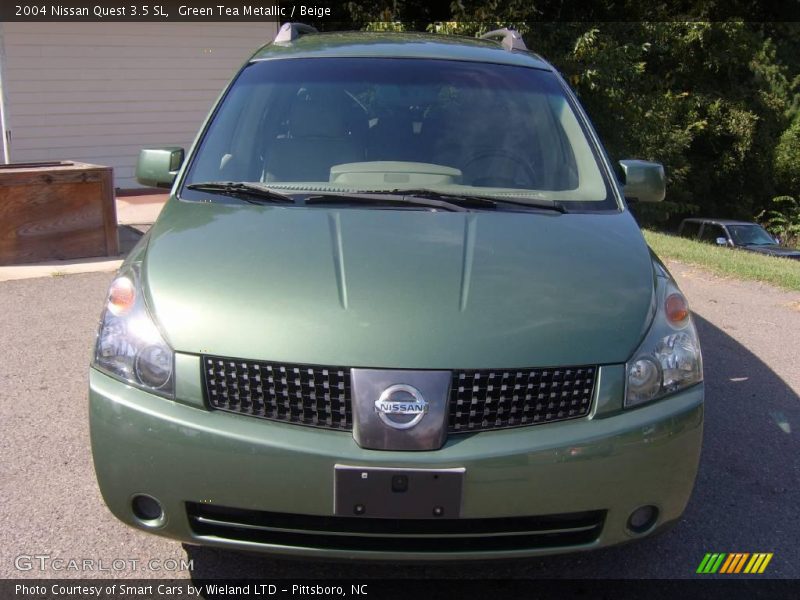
<point x="745" y="500"/>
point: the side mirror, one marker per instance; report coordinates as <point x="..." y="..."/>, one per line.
<point x="721" y="241"/>
<point x="644" y="181"/>
<point x="157" y="167"/>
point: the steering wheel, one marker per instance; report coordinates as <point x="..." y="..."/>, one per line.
<point x="495" y="180"/>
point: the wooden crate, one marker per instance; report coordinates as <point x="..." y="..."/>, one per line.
<point x="58" y="210"/>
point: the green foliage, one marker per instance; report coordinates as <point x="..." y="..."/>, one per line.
<point x="783" y="220"/>
<point x="385" y="26"/>
<point x="716" y="101"/>
<point x="741" y="264"/>
<point x="415" y="15"/>
<point x="780" y="61"/>
<point x="455" y="28"/>
<point x="787" y="159"/>
<point x="685" y="94"/>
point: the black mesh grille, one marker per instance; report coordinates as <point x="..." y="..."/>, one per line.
<point x="315" y="396"/>
<point x="320" y="396"/>
<point x="396" y="535"/>
<point x="495" y="399"/>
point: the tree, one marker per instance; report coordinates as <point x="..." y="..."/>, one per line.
<point x="710" y="99"/>
<point x="787" y="159"/>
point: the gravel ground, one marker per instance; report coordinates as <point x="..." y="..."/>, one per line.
<point x="745" y="500"/>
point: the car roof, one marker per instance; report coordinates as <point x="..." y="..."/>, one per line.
<point x="363" y="44"/>
<point x="719" y="221"/>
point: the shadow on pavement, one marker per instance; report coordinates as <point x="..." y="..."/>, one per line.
<point x="129" y="236"/>
<point x="745" y="498"/>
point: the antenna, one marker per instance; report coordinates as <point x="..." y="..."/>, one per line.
<point x="509" y="38"/>
<point x="291" y="31"/>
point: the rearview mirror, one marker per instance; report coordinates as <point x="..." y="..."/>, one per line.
<point x="721" y="241"/>
<point x="157" y="167"/>
<point x="644" y="181"/>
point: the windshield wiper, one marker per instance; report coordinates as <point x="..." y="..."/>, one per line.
<point x="480" y="201"/>
<point x="386" y="199"/>
<point x="250" y="192"/>
<point x="425" y="198"/>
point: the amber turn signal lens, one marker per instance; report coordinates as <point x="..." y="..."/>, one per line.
<point x="121" y="296"/>
<point x="677" y="309"/>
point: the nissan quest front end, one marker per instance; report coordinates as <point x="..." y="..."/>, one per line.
<point x="396" y="308"/>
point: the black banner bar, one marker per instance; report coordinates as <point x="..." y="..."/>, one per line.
<point x="164" y="10"/>
<point x="340" y="14"/>
<point x="732" y="587"/>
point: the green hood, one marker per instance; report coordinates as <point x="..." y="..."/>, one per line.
<point x="399" y="289"/>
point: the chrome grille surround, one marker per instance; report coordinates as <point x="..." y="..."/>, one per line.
<point x="320" y="396"/>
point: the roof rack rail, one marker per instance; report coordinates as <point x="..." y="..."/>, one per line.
<point x="509" y="38"/>
<point x="291" y="31"/>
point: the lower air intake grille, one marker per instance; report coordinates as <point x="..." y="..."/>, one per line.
<point x="395" y="535"/>
<point x="320" y="396"/>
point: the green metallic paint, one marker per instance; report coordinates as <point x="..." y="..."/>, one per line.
<point x="398" y="45"/>
<point x="403" y="290"/>
<point x="188" y="385"/>
<point x="177" y="453"/>
<point x="610" y="391"/>
<point x="644" y="181"/>
<point x="157" y="167"/>
<point x="399" y="289"/>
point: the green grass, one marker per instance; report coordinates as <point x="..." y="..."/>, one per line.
<point x="782" y="272"/>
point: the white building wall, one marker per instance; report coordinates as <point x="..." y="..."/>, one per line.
<point x="98" y="92"/>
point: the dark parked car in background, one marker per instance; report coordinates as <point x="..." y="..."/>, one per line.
<point x="737" y="234"/>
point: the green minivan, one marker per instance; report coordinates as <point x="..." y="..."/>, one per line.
<point x="396" y="307"/>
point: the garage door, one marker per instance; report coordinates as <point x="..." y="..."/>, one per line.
<point x="98" y="92"/>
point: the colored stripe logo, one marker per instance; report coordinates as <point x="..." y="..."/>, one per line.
<point x="735" y="562"/>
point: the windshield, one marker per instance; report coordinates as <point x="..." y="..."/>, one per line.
<point x="374" y="124"/>
<point x="749" y="235"/>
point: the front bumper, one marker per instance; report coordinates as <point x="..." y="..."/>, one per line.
<point x="608" y="464"/>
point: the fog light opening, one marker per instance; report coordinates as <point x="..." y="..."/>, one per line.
<point x="147" y="510"/>
<point x="643" y="519"/>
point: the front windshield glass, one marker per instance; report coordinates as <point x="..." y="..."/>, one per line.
<point x="377" y="124"/>
<point x="749" y="235"/>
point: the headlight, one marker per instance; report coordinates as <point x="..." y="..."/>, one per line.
<point x="129" y="345"/>
<point x="669" y="359"/>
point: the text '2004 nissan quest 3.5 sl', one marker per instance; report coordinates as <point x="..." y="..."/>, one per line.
<point x="396" y="308"/>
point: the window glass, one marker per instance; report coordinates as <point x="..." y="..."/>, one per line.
<point x="690" y="229"/>
<point x="370" y="124"/>
<point x="711" y="232"/>
<point x="750" y="235"/>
